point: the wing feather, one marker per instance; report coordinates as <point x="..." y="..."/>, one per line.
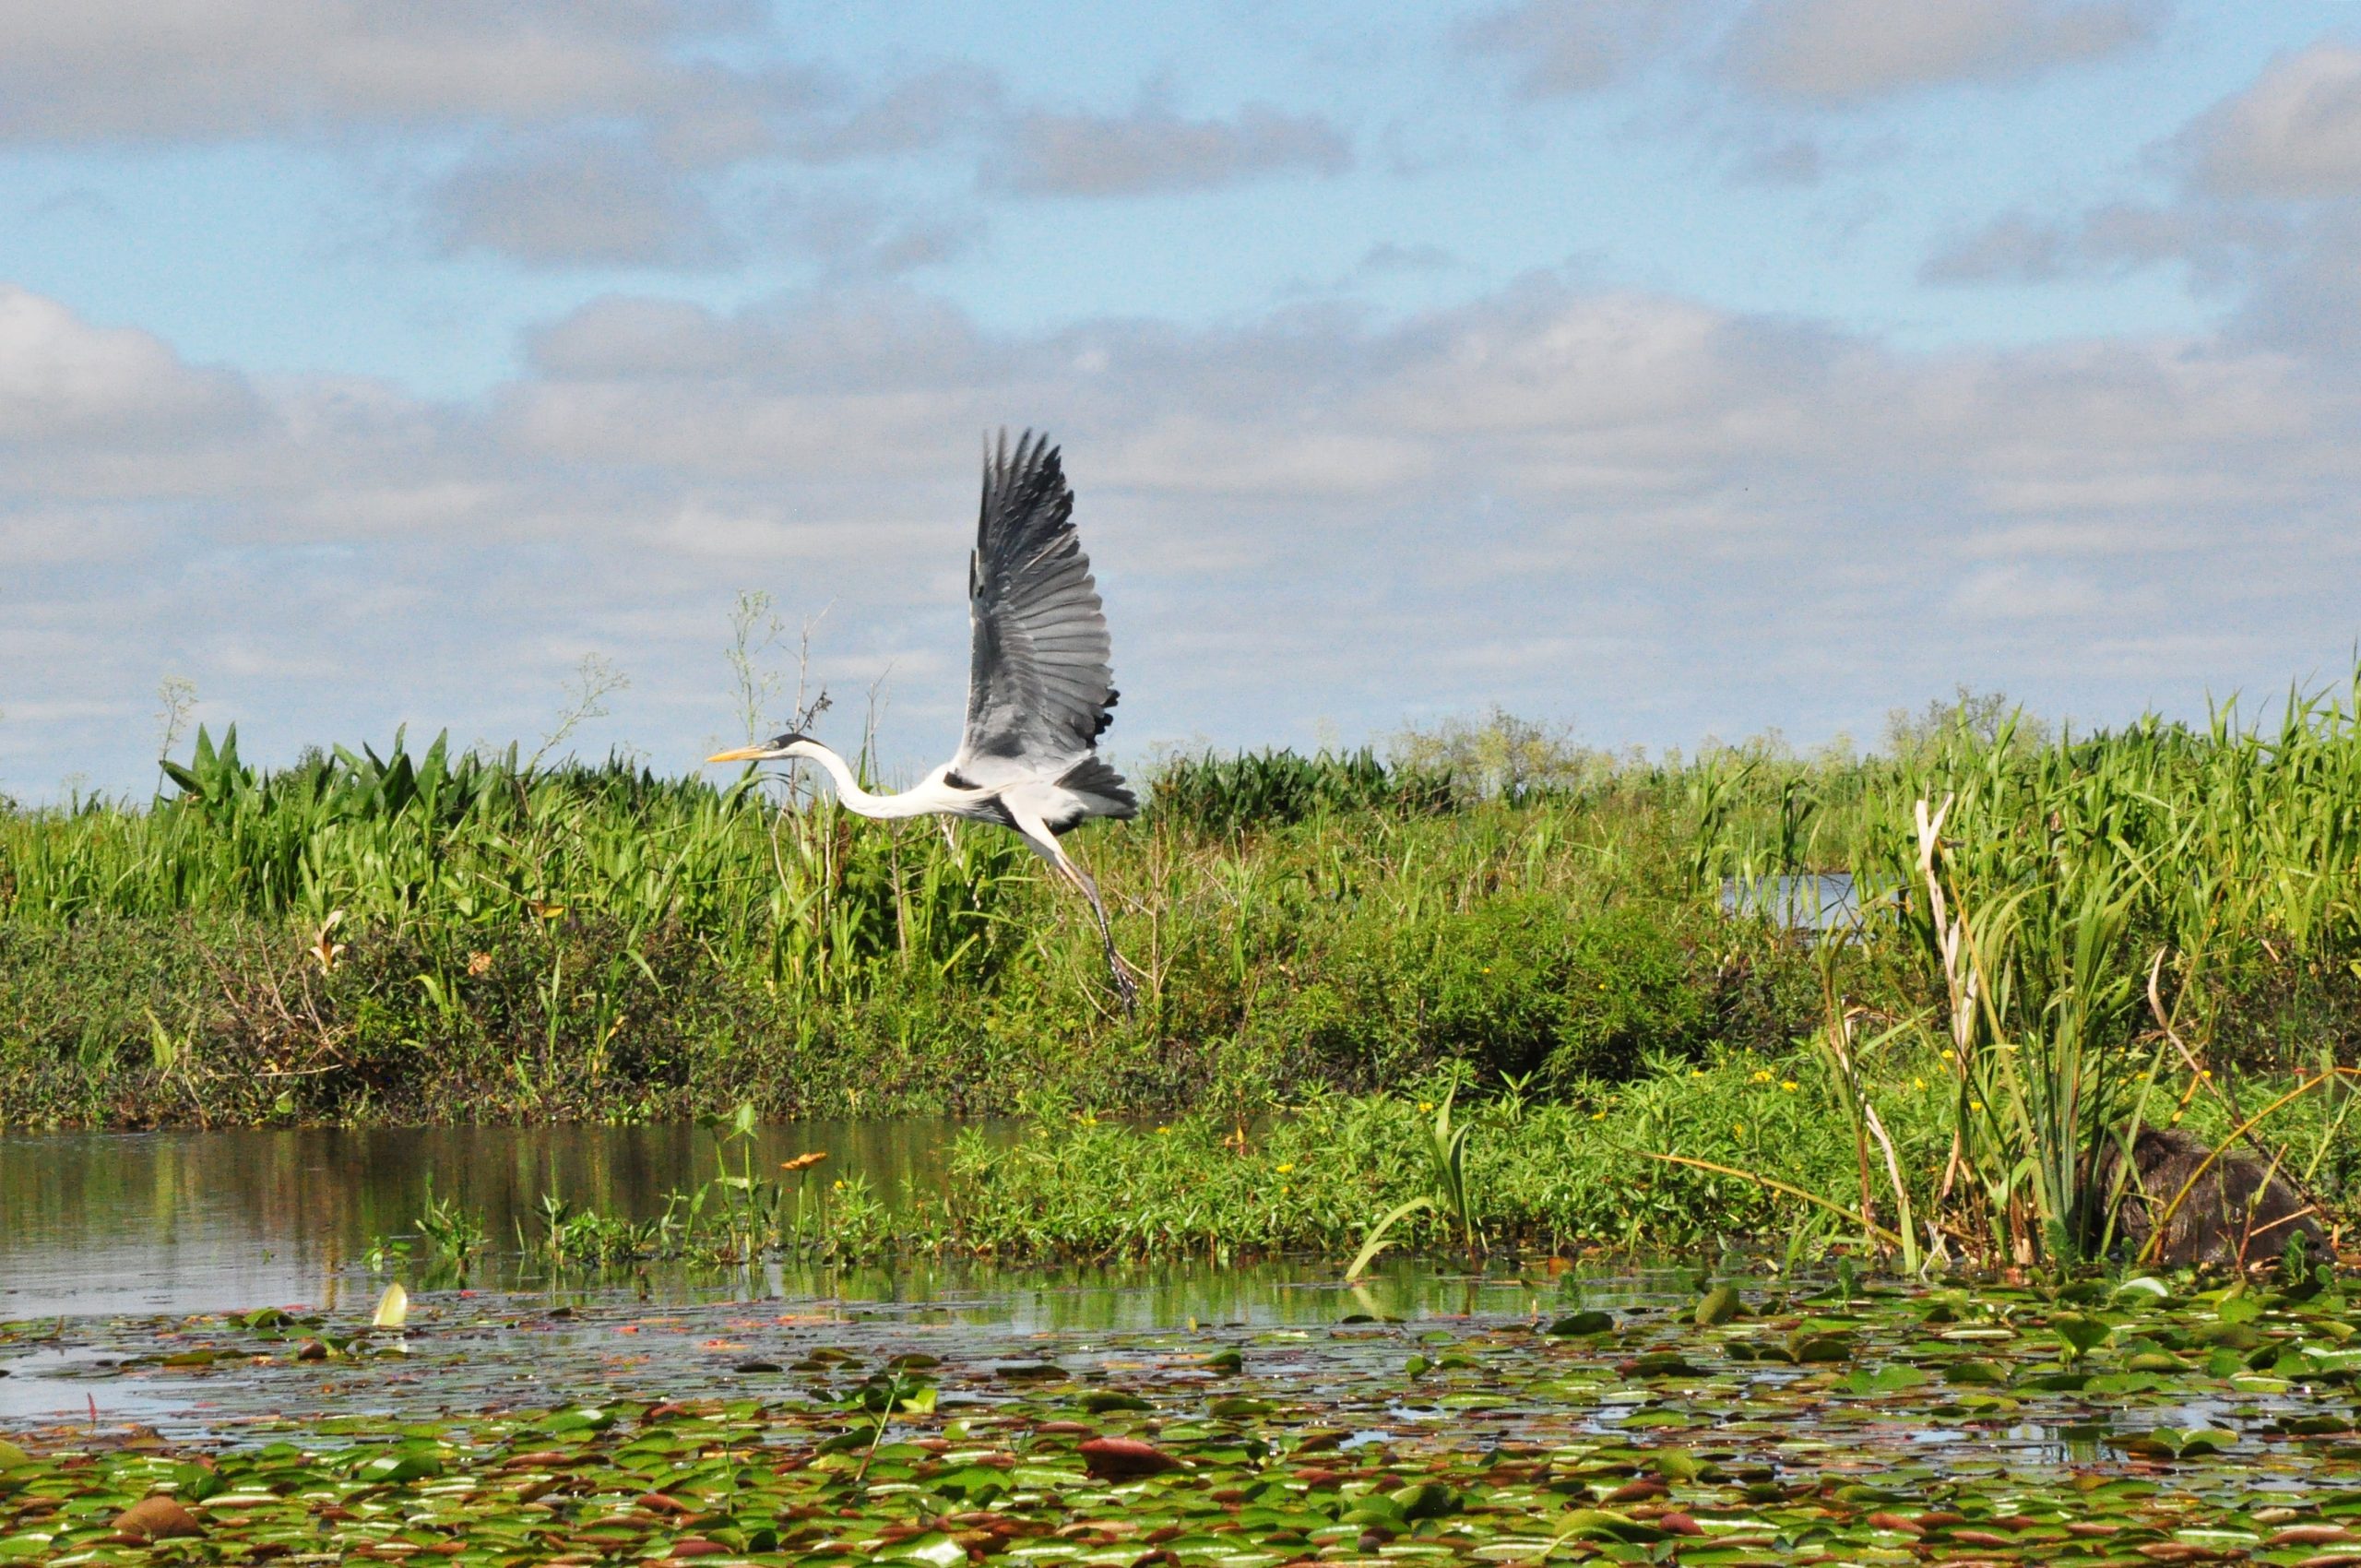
<point x="1041" y="679"/>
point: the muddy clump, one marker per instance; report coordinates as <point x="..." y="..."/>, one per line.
<point x="2238" y="1212"/>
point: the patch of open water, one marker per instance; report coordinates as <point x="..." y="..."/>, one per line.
<point x="186" y="1221"/>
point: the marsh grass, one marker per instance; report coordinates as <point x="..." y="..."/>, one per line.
<point x="439" y="935"/>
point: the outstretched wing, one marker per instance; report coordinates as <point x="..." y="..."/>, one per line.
<point x="1039" y="684"/>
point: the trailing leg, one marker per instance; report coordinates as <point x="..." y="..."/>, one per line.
<point x="1045" y="844"/>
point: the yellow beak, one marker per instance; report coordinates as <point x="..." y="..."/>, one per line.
<point x="743" y="754"/>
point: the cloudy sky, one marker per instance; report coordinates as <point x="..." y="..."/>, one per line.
<point x="1672" y="368"/>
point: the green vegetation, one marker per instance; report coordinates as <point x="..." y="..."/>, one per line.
<point x="424" y="936"/>
<point x="1504" y="1175"/>
<point x="2134" y="1423"/>
<point x="2063" y="933"/>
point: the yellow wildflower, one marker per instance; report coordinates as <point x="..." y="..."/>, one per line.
<point x="1425" y="1105"/>
<point x="1739" y="1127"/>
<point x="1919" y="1083"/>
<point x="1598" y="1115"/>
<point x="1761" y="1075"/>
<point x="1284" y="1169"/>
<point x="1788" y="1084"/>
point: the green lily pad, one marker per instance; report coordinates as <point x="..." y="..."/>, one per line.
<point x="1718" y="1305"/>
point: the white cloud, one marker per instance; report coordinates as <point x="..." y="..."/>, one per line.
<point x="2265" y="209"/>
<point x="1297" y="517"/>
<point x="64" y="380"/>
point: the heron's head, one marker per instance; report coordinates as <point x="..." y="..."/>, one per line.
<point x="772" y="750"/>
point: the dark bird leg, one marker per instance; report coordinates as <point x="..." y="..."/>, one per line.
<point x="1045" y="844"/>
<point x="1124" y="987"/>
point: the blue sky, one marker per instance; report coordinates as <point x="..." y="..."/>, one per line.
<point x="1671" y="368"/>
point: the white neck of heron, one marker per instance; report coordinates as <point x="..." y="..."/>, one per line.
<point x="849" y="790"/>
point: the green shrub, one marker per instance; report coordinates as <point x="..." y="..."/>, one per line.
<point x="1519" y="986"/>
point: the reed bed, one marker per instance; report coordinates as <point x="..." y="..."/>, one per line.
<point x="2064" y="932"/>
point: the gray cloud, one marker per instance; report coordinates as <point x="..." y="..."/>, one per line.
<point x="1390" y="257"/>
<point x="1558" y="50"/>
<point x="577" y="201"/>
<point x="1839" y="52"/>
<point x="2296" y="133"/>
<point x="178" y="69"/>
<point x="2304" y="291"/>
<point x="1798" y="161"/>
<point x="1153" y="149"/>
<point x="2265" y="209"/>
<point x="1546" y="492"/>
<point x="919" y="112"/>
<point x="2016" y="247"/>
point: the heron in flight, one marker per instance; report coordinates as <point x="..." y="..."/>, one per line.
<point x="1039" y="686"/>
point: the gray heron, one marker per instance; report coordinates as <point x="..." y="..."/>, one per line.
<point x="1039" y="686"/>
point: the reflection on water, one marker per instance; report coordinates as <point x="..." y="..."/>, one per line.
<point x="183" y="1222"/>
<point x="124" y="1238"/>
<point x="197" y="1221"/>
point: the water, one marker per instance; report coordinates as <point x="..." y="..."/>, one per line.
<point x="217" y="1221"/>
<point x="132" y="1244"/>
<point x="119" y="1253"/>
<point x="1817" y="901"/>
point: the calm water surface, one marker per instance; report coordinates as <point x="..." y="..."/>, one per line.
<point x="123" y="1237"/>
<point x="199" y="1222"/>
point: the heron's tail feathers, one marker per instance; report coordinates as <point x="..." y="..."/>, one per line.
<point x="1101" y="787"/>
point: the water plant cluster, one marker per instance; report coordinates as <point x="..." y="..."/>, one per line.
<point x="2139" y="1421"/>
<point x="1692" y="1161"/>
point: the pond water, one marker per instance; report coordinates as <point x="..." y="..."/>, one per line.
<point x="1815" y="901"/>
<point x="124" y="1240"/>
<point x="215" y="1221"/>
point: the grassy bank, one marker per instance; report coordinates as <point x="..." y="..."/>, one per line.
<point x="428" y="939"/>
<point x="2060" y="931"/>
